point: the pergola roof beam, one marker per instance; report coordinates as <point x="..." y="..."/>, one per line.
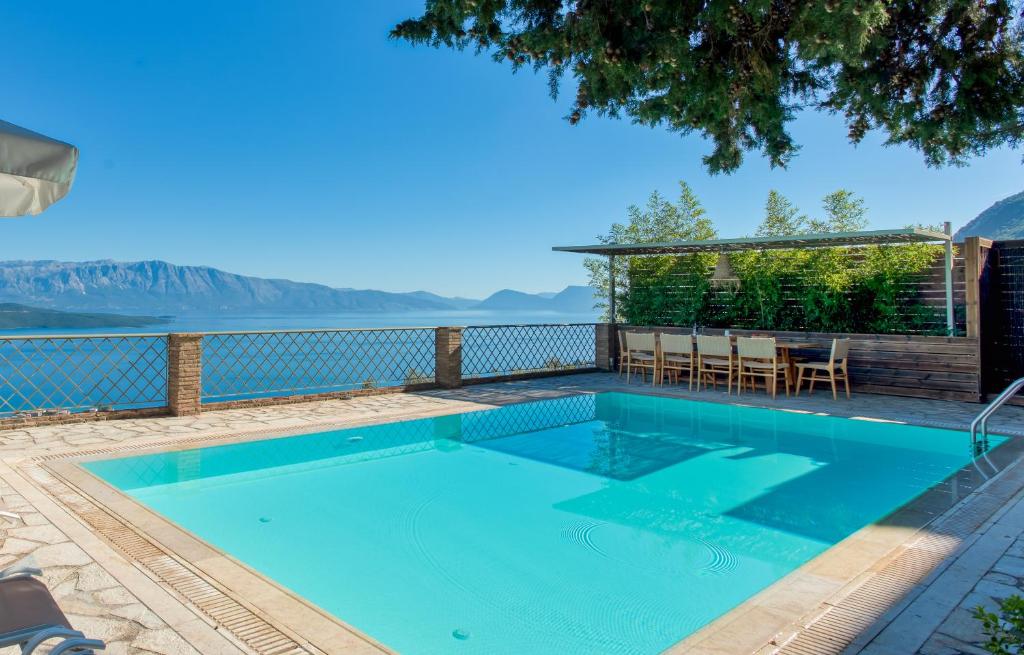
<point x="798" y="241"/>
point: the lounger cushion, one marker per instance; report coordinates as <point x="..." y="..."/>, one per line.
<point x="26" y="603"/>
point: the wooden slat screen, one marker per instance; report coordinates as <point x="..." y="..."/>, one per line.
<point x="895" y="364"/>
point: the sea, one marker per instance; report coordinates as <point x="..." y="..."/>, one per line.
<point x="57" y="374"/>
<point x="288" y="321"/>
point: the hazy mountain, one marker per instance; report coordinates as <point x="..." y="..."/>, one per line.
<point x="163" y="288"/>
<point x="575" y="299"/>
<point x="13" y="316"/>
<point x="157" y="287"/>
<point x="1003" y="220"/>
<point x="454" y="302"/>
<point x="511" y="300"/>
<point x="572" y="299"/>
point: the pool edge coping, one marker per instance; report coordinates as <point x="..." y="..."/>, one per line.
<point x="830" y="580"/>
<point x="64" y="464"/>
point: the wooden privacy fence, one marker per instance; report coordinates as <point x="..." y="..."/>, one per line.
<point x="892" y="364"/>
<point x="926" y="288"/>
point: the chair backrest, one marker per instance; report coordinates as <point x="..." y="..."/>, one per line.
<point x="840" y="350"/>
<point x="639" y="342"/>
<point x="676" y="344"/>
<point x="622" y="341"/>
<point x="714" y="346"/>
<point x="756" y="348"/>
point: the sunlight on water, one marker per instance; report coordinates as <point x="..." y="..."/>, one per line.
<point x="613" y="523"/>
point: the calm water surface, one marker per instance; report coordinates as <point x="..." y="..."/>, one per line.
<point x="608" y="524"/>
<point x="212" y="323"/>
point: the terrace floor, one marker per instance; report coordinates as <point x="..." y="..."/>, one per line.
<point x="906" y="587"/>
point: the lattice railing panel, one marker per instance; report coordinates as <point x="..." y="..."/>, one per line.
<point x="82" y="373"/>
<point x="240" y="365"/>
<point x="493" y="350"/>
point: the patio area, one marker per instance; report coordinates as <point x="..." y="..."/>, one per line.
<point x="111" y="586"/>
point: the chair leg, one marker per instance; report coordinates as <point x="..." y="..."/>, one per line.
<point x="846" y="382"/>
<point x="813" y="379"/>
<point x="799" y="380"/>
<point x="832" y="379"/>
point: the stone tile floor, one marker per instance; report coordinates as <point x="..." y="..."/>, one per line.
<point x="98" y="603"/>
<point x="937" y="619"/>
<point x="90" y="597"/>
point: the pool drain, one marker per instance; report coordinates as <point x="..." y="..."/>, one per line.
<point x="460" y="634"/>
<point x="264" y="519"/>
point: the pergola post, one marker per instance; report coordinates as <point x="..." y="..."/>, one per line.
<point x="947" y="227"/>
<point x="611" y="290"/>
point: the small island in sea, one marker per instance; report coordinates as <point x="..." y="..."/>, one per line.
<point x="15" y="316"/>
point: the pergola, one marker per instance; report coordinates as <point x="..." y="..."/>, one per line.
<point x="795" y="242"/>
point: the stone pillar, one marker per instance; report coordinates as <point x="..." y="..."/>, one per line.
<point x="448" y="357"/>
<point x="604" y="346"/>
<point x="184" y="369"/>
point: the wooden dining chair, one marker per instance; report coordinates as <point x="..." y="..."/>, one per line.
<point x="714" y="358"/>
<point x="641" y="354"/>
<point x="675" y="355"/>
<point x="621" y="335"/>
<point x="759" y="358"/>
<point x="835" y="368"/>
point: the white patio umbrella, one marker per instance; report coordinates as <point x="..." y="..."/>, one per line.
<point x="35" y="170"/>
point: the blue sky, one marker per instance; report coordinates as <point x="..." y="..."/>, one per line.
<point x="293" y="139"/>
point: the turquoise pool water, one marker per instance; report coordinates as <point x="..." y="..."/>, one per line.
<point x="610" y="523"/>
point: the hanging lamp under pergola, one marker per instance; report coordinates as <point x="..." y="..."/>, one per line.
<point x="35" y="170"/>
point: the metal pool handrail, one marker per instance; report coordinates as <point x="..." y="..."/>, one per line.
<point x="981" y="420"/>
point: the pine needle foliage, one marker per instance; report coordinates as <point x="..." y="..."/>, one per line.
<point x="943" y="76"/>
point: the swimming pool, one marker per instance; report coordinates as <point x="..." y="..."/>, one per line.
<point x="608" y="523"/>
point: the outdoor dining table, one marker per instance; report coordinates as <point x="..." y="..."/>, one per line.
<point x="784" y="346"/>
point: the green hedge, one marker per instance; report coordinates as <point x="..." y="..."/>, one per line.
<point x="871" y="289"/>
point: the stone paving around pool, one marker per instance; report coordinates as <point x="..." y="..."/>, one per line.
<point x="938" y="619"/>
<point x="91" y="598"/>
<point x="110" y="597"/>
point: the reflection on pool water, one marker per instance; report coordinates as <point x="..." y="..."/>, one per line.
<point x="608" y="523"/>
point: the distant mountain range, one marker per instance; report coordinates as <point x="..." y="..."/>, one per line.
<point x="571" y="299"/>
<point x="1003" y="220"/>
<point x="14" y="316"/>
<point x="157" y="287"/>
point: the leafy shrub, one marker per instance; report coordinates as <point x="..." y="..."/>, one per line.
<point x="1005" y="631"/>
<point x="867" y="289"/>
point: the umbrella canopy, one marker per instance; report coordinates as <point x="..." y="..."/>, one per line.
<point x="35" y="170"/>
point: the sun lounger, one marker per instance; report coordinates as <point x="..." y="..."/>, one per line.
<point x="29" y="616"/>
